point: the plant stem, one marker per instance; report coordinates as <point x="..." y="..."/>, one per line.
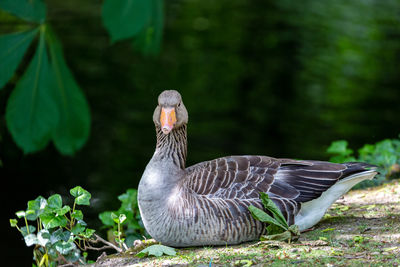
<point x="119" y="235"/>
<point x="72" y="218"/>
<point x="27" y="226"/>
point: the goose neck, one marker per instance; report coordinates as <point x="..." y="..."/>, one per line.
<point x="172" y="147"/>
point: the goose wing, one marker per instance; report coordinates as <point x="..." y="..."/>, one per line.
<point x="233" y="177"/>
<point x="288" y="182"/>
<point x="240" y="179"/>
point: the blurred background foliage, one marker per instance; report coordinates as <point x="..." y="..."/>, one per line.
<point x="278" y="78"/>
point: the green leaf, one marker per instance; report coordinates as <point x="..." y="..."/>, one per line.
<point x="12" y="49"/>
<point x="148" y="41"/>
<point x="125" y="18"/>
<point x="339" y="147"/>
<point x="58" y="235"/>
<point x="51" y="220"/>
<point x="270" y="206"/>
<point x="78" y="229"/>
<point x="31" y="10"/>
<point x="264" y="217"/>
<point x="88" y="233"/>
<point x="43" y="237"/>
<point x="35" y="208"/>
<point x="31" y="112"/>
<point x="156" y="250"/>
<point x="30" y="240"/>
<point x="82" y="197"/>
<point x="24" y="230"/>
<point x="121" y="218"/>
<point x="13" y="222"/>
<point x="73" y="127"/>
<point x="64" y="247"/>
<point x="54" y="202"/>
<point x="278" y="237"/>
<point x="77" y="215"/>
<point x="63" y="210"/>
<point x="128" y="199"/>
<point x="106" y="219"/>
<point x="20" y="214"/>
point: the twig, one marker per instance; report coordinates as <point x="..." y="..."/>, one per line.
<point x="108" y="244"/>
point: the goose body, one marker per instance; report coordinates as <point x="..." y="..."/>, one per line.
<point x="207" y="204"/>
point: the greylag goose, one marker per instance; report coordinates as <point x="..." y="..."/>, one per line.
<point x="207" y="204"/>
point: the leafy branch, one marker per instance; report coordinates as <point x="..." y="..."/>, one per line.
<point x="278" y="228"/>
<point x="47" y="104"/>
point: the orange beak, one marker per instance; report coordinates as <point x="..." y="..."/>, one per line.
<point x="167" y="119"/>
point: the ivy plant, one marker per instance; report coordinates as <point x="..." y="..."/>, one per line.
<point x="384" y="154"/>
<point x="57" y="232"/>
<point x="124" y="225"/>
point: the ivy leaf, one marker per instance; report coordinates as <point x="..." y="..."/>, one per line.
<point x="128" y="200"/>
<point x="25" y="232"/>
<point x="118" y="218"/>
<point x="64" y="247"/>
<point x="82" y="197"/>
<point x="54" y="202"/>
<point x="156" y="250"/>
<point x="20" y="214"/>
<point x="13" y="222"/>
<point x="73" y="127"/>
<point x="88" y="233"/>
<point x="78" y="228"/>
<point x="43" y="237"/>
<point x="106" y="218"/>
<point x="30" y="10"/>
<point x="35" y="208"/>
<point x="13" y="47"/>
<point x="125" y="18"/>
<point x="63" y="210"/>
<point x="58" y="235"/>
<point x="31" y="112"/>
<point x="77" y="215"/>
<point x="51" y="220"/>
<point x="30" y="240"/>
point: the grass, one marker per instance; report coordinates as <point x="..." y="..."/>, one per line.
<point x="360" y="229"/>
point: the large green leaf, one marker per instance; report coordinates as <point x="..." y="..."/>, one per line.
<point x="12" y="49"/>
<point x="125" y="18"/>
<point x="270" y="206"/>
<point x="148" y="41"/>
<point x="31" y="112"/>
<point x="31" y="10"/>
<point x="264" y="217"/>
<point x="73" y="127"/>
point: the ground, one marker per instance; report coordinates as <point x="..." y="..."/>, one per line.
<point x="360" y="229"/>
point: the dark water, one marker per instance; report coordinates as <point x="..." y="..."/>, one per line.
<point x="257" y="77"/>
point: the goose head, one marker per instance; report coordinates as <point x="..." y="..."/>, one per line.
<point x="170" y="112"/>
